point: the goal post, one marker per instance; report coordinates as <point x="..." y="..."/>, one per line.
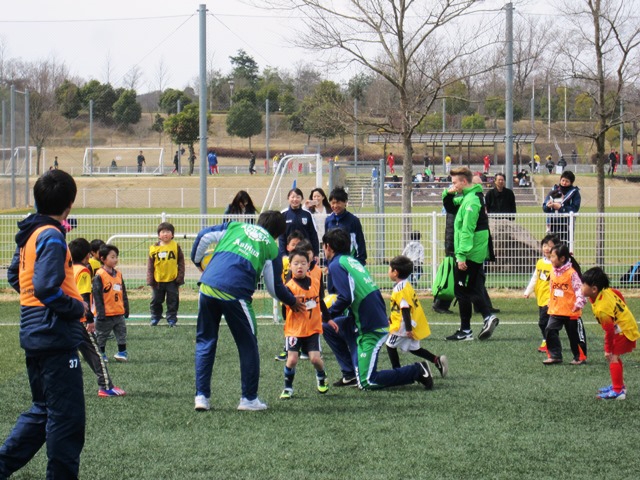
<point x="302" y="171"/>
<point x="123" y="161"/>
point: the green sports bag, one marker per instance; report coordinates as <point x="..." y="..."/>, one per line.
<point x="443" y="283"/>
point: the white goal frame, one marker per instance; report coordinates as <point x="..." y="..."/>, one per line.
<point x="7" y="160"/>
<point x="130" y="169"/>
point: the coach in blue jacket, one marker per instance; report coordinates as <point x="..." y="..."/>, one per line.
<point x="298" y="219"/>
<point x="341" y="218"/>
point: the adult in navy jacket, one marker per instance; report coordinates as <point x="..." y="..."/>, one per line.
<point x="298" y="219"/>
<point x="341" y="218"/>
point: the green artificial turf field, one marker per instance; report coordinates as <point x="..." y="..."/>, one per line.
<point x="499" y="414"/>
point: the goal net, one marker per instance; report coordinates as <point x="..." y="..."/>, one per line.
<point x="124" y="161"/>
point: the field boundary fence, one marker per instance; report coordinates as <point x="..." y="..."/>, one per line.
<point x="516" y="243"/>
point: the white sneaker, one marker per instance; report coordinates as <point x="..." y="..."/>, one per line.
<point x="490" y="324"/>
<point x="202" y="404"/>
<point x="251" y="405"/>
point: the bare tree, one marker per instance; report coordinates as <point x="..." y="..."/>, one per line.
<point x="162" y="75"/>
<point x="132" y="78"/>
<point x="108" y="67"/>
<point x="601" y="51"/>
<point x="42" y="78"/>
<point x="401" y="41"/>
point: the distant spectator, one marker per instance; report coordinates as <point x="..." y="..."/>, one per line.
<point x="562" y="163"/>
<point x="252" y="162"/>
<point x="550" y="164"/>
<point x="574" y="157"/>
<point x="391" y="162"/>
<point x="319" y="207"/>
<point x="487" y="162"/>
<point x="563" y="198"/>
<point x="629" y="162"/>
<point x="212" y="160"/>
<point x="241" y="206"/>
<point x="501" y="199"/>
<point x="55" y="163"/>
<point x="140" y="161"/>
<point x="192" y="162"/>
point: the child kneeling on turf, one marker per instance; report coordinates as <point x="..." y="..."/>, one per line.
<point x="619" y="325"/>
<point x="302" y="329"/>
<point x="408" y="322"/>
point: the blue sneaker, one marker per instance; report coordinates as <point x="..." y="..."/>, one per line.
<point x="154" y="322"/>
<point x="172" y="323"/>
<point x="121" y="356"/>
<point x="105" y="359"/>
<point x="610" y="387"/>
<point x="613" y="395"/>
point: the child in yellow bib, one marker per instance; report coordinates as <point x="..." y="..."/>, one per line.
<point x="408" y="322"/>
<point x="165" y="275"/>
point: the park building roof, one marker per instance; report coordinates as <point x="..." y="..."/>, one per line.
<point x="477" y="138"/>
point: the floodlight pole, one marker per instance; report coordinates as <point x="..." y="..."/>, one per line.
<point x="90" y="137"/>
<point x="12" y="104"/>
<point x="508" y="136"/>
<point x="26" y="147"/>
<point x="203" y="109"/>
<point x="355" y="133"/>
<point x="266" y="131"/>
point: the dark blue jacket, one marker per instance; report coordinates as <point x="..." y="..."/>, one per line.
<point x="349" y="222"/>
<point x="302" y="220"/>
<point x="56" y="325"/>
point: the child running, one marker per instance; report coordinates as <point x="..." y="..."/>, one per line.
<point x="80" y="251"/>
<point x="165" y="274"/>
<point x="539" y="285"/>
<point x="565" y="307"/>
<point x="303" y="329"/>
<point x="408" y="322"/>
<point x="619" y="325"/>
<point x="111" y="303"/>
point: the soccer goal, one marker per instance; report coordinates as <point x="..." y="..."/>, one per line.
<point x="123" y="161"/>
<point x="20" y="160"/>
<point x="302" y="171"/>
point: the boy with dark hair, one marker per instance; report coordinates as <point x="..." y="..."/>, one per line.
<point x="50" y="333"/>
<point x="165" y="275"/>
<point x="408" y="323"/>
<point x="111" y="303"/>
<point x="80" y="252"/>
<point x="341" y="218"/>
<point x="619" y="325"/>
<point x="94" y="259"/>
<point x="365" y="329"/>
<point x="243" y="253"/>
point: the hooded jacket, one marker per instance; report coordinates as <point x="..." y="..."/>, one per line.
<point x="50" y="321"/>
<point x="471" y="226"/>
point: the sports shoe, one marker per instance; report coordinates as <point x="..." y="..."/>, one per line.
<point x="442" y="364"/>
<point x="578" y="362"/>
<point x="282" y="356"/>
<point x="251" y="405"/>
<point x="613" y="395"/>
<point x="202" y="404"/>
<point x="322" y="384"/>
<point x="304" y="356"/>
<point x="494" y="310"/>
<point x="460" y="335"/>
<point x="543" y="347"/>
<point x="425" y="378"/>
<point x="610" y="387"/>
<point x="490" y="324"/>
<point x="286" y="394"/>
<point x="154" y="322"/>
<point x="112" y="392"/>
<point x="552" y="361"/>
<point x="346" y="382"/>
<point x="121" y="356"/>
<point x="172" y="323"/>
<point x="105" y="359"/>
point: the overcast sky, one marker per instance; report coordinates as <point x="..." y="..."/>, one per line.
<point x="86" y="33"/>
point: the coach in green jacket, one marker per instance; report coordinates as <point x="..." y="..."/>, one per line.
<point x="471" y="245"/>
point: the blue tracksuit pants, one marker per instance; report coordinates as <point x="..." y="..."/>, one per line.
<point x="242" y="324"/>
<point x="56" y="417"/>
